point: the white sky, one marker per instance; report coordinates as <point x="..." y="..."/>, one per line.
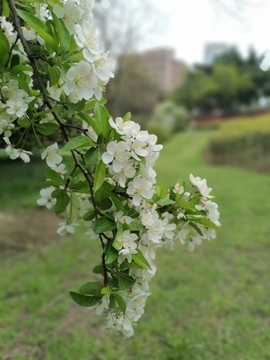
<point x="189" y="24"/>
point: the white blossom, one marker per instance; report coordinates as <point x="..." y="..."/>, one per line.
<point x="31" y="35"/>
<point x="52" y="158"/>
<point x="201" y="185"/>
<point x="6" y="127"/>
<point x="16" y="106"/>
<point x="117" y="152"/>
<point x="128" y="245"/>
<point x="14" y="153"/>
<point x="66" y="227"/>
<point x="140" y="188"/>
<point x="80" y="82"/>
<point x="86" y="39"/>
<point x="178" y="189"/>
<point x="46" y="198"/>
<point x="70" y="14"/>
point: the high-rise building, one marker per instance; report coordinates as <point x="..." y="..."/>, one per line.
<point x="162" y="68"/>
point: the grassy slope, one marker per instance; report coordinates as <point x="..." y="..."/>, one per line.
<point x="210" y="304"/>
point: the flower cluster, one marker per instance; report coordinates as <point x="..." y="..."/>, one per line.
<point x="89" y="76"/>
<point x="81" y="78"/>
<point x="110" y="187"/>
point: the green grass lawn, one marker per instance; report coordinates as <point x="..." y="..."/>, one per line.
<point x="212" y="304"/>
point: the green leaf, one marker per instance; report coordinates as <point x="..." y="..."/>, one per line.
<point x="53" y="175"/>
<point x="84" y="300"/>
<point x="40" y="114"/>
<point x="54" y="73"/>
<point x="141" y="260"/>
<point x="120" y="301"/>
<point x="51" y="3"/>
<point x="98" y="269"/>
<point x="163" y="191"/>
<point x="47" y="128"/>
<point x="6" y="11"/>
<point x="74" y="207"/>
<point x="62" y="33"/>
<point x="99" y="176"/>
<point x="117" y="202"/>
<point x="103" y="224"/>
<point x="124" y="280"/>
<point x="165" y="202"/>
<point x="80" y="141"/>
<point x="90" y="104"/>
<point x="104" y="192"/>
<point x="127" y="116"/>
<point x="91" y="156"/>
<point x="116" y="243"/>
<point x="89" y="215"/>
<point x="4" y="46"/>
<point x="79" y="186"/>
<point x="102" y="119"/>
<point x="205" y="222"/>
<point x="18" y="68"/>
<point x="111" y="254"/>
<point x="89" y="121"/>
<point x="106" y="290"/>
<point x="195" y="227"/>
<point x="133" y="213"/>
<point x="91" y="288"/>
<point x="112" y="302"/>
<point x="132" y="265"/>
<point x="80" y="105"/>
<point x="23" y="122"/>
<point x="62" y="201"/>
<point x="40" y="28"/>
<point x="57" y="178"/>
<point x="15" y="61"/>
<point x="105" y="204"/>
<point x="186" y="205"/>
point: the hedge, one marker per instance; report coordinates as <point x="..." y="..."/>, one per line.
<point x="244" y="142"/>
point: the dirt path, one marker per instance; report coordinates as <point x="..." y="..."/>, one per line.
<point x="19" y="229"/>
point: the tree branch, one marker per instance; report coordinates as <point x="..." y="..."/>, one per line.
<point x="32" y="59"/>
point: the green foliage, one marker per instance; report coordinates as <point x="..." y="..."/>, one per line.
<point x="91" y="288"/>
<point x="140" y="260"/>
<point x="84" y="300"/>
<point x="40" y="28"/>
<point x="78" y="142"/>
<point x="4" y="46"/>
<point x="169" y="116"/>
<point x="229" y="83"/>
<point x="103" y="224"/>
<point x="62" y="200"/>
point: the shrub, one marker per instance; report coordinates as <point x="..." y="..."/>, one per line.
<point x="244" y="142"/>
<point x="170" y="116"/>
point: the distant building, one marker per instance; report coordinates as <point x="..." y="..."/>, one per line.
<point x="213" y="50"/>
<point x="162" y="68"/>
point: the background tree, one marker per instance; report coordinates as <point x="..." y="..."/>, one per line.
<point x="132" y="90"/>
<point x="128" y="26"/>
<point x="227" y="85"/>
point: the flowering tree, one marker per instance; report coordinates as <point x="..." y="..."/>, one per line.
<point x="53" y="73"/>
